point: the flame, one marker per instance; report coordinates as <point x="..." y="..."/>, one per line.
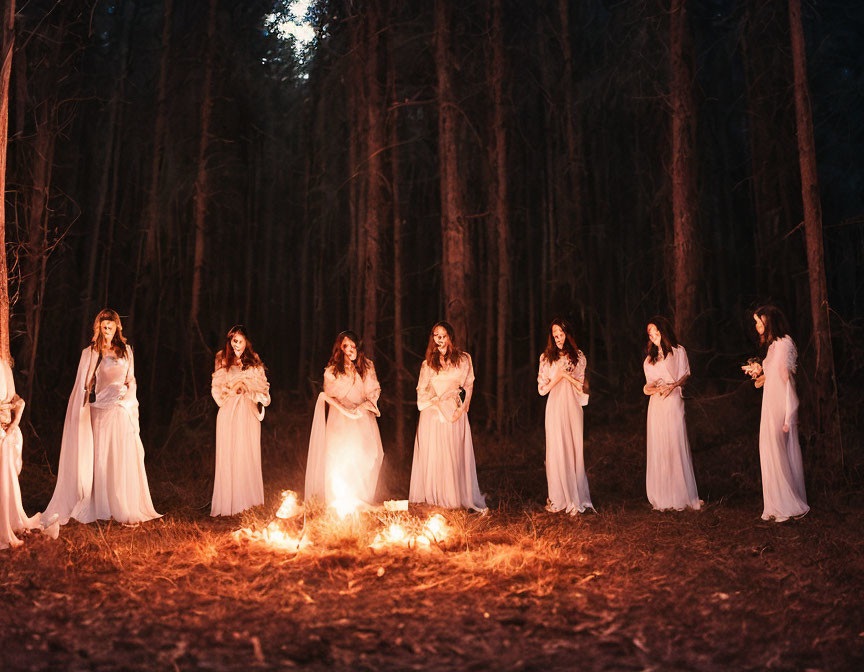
<point x="434" y="530"/>
<point x="344" y="501"/>
<point x="274" y="536"/>
<point x="289" y="508"/>
<point x="436" y="527"/>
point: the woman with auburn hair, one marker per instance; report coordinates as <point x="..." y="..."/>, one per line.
<point x="443" y="472"/>
<point x="561" y="379"/>
<point x="345" y="451"/>
<point x="669" y="478"/>
<point x="240" y="389"/>
<point x="783" y="488"/>
<point x="101" y="473"/>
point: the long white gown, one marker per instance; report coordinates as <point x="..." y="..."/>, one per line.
<point x="444" y="472"/>
<point x="12" y="516"/>
<point x="101" y="473"/>
<point x="345" y="451"/>
<point x="238" y="484"/>
<point x="779" y="452"/>
<point x="669" y="478"/>
<point x="565" y="465"/>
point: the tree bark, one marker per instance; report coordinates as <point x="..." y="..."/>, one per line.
<point x="8" y="42"/>
<point x="151" y="217"/>
<point x="374" y="182"/>
<point x="33" y="290"/>
<point x="826" y="391"/>
<point x="398" y="317"/>
<point x="685" y="261"/>
<point x="201" y="180"/>
<point x="455" y="246"/>
<point x="501" y="217"/>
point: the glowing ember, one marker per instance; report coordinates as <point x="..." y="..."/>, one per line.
<point x="436" y="527"/>
<point x="434" y="530"/>
<point x="289" y="507"/>
<point x="272" y="535"/>
<point x="393" y="535"/>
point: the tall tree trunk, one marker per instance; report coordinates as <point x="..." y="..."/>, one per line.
<point x="151" y="217"/>
<point x="455" y="246"/>
<point x="98" y="214"/>
<point x="8" y="42"/>
<point x="374" y="182"/>
<point x="575" y="237"/>
<point x="33" y="289"/>
<point x="685" y="250"/>
<point x="398" y="318"/>
<point x="201" y="180"/>
<point x="501" y="216"/>
<point x="826" y="391"/>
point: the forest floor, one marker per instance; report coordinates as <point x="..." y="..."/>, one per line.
<point x="626" y="588"/>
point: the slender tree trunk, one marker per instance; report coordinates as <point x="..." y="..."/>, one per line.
<point x="685" y="251"/>
<point x="826" y="390"/>
<point x="98" y="214"/>
<point x="375" y="205"/>
<point x="501" y="215"/>
<point x="32" y="292"/>
<point x="398" y="319"/>
<point x="201" y="180"/>
<point x="455" y="246"/>
<point x="8" y="42"/>
<point x="575" y="237"/>
<point x="151" y="217"/>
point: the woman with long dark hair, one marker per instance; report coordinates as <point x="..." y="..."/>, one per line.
<point x="240" y="389"/>
<point x="443" y="472"/>
<point x="669" y="478"/>
<point x="561" y="378"/>
<point x="101" y="472"/>
<point x="345" y="451"/>
<point x="783" y="488"/>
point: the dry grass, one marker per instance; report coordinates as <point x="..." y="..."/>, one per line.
<point x="520" y="589"/>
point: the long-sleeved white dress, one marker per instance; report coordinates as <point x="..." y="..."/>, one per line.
<point x="101" y="473"/>
<point x="345" y="450"/>
<point x="669" y="478"/>
<point x="238" y="484"/>
<point x="565" y="464"/>
<point x="779" y="452"/>
<point x="443" y="471"/>
<point x="12" y="516"/>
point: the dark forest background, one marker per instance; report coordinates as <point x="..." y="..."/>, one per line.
<point x="495" y="162"/>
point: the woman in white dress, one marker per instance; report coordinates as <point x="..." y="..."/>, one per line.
<point x="561" y="379"/>
<point x="783" y="488"/>
<point x="101" y="473"/>
<point x="669" y="478"/>
<point x="240" y="389"/>
<point x="12" y="516"/>
<point x="443" y="472"/>
<point x="345" y="451"/>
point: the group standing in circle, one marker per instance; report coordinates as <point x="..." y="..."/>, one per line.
<point x="101" y="473"/>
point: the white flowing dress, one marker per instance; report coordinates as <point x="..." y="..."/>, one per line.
<point x="238" y="484"/>
<point x="12" y="516"/>
<point x="101" y="473"/>
<point x="444" y="472"/>
<point x="779" y="452"/>
<point x="345" y="451"/>
<point x="565" y="465"/>
<point x="669" y="478"/>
